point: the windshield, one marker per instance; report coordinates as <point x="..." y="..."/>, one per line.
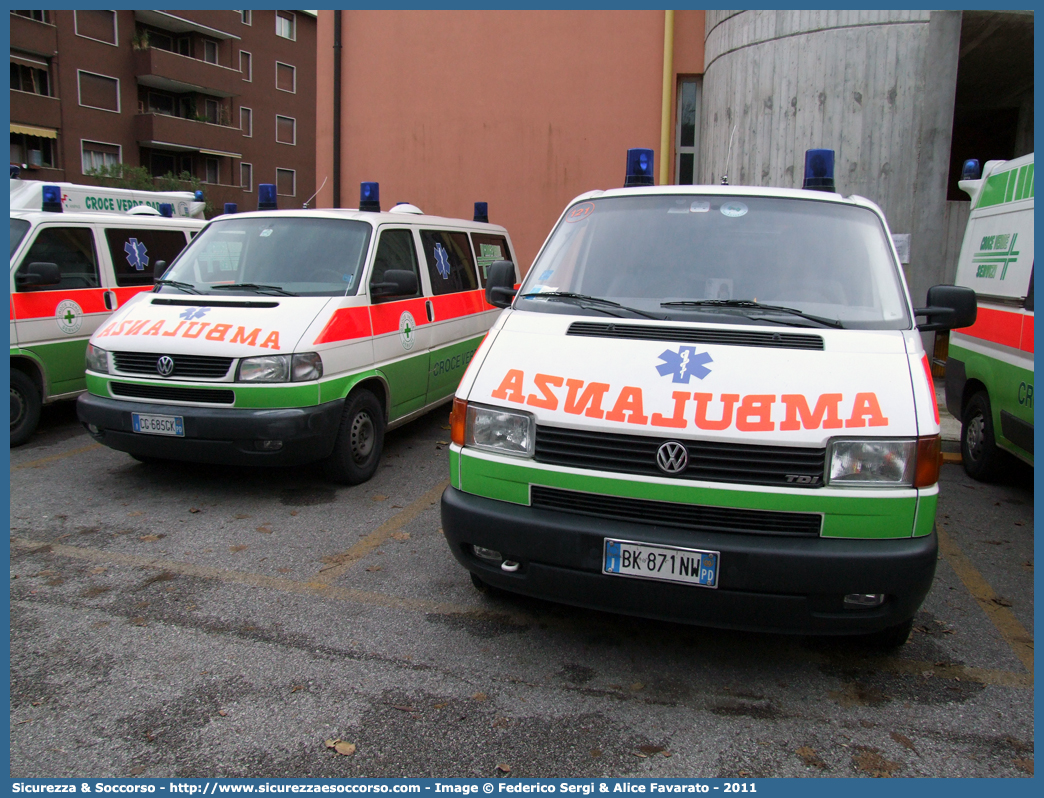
<point x="18" y="230"/>
<point x="280" y="256"/>
<point x="760" y="260"/>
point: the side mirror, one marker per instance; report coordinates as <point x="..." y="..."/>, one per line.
<point x="397" y="282"/>
<point x="950" y="307"/>
<point x="39" y="275"/>
<point x="158" y="267"/>
<point x="500" y="283"/>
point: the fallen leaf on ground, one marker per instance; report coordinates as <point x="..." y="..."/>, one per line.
<point x="222" y="712"/>
<point x="193" y="509"/>
<point x="403" y="708"/>
<point x="241" y="547"/>
<point x="903" y="740"/>
<point x="100" y="570"/>
<point x="443" y="443"/>
<point x="378" y="497"/>
<point x="1025" y="765"/>
<point x="264" y="530"/>
<point x="136" y="512"/>
<point x="595" y="753"/>
<point x="810" y="757"/>
<point x="869" y="761"/>
<point x="293" y="512"/>
<point x="341" y="747"/>
<point x="296" y="687"/>
<point x="651" y="749"/>
<point x="374" y="568"/>
<point x="480" y="697"/>
<point x="504" y="768"/>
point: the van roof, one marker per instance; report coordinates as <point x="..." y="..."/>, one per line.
<point x="374" y="218"/>
<point x="108" y="218"/>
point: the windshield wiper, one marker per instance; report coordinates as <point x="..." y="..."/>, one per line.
<point x="188" y="288"/>
<point x="594" y="300"/>
<point x="747" y="303"/>
<point x="259" y="287"/>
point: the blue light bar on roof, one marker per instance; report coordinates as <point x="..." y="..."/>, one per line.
<point x="819" y="170"/>
<point x="266" y="197"/>
<point x="370" y="196"/>
<point x="639" y="167"/>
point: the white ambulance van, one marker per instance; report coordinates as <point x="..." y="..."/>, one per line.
<point x="77" y="254"/>
<point x="989" y="368"/>
<point x="284" y="337"/>
<point x="707" y="404"/>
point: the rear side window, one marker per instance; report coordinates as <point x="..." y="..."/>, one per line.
<point x="450" y="263"/>
<point x="488" y="249"/>
<point x="395" y="250"/>
<point x="72" y="249"/>
<point x="134" y="252"/>
<point x="19" y="227"/>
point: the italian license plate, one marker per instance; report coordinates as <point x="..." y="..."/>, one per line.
<point x="158" y="425"/>
<point x="665" y="563"/>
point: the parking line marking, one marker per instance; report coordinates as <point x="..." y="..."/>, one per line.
<point x="1013" y="632"/>
<point x="894" y="665"/>
<point x="47" y="460"/>
<point x="338" y="564"/>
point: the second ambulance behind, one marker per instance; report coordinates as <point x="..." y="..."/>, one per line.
<point x="707" y="404"/>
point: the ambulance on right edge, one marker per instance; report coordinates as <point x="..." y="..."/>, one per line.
<point x="989" y="370"/>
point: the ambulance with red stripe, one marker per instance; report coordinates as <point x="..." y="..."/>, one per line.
<point x="77" y="254"/>
<point x="707" y="404"/>
<point x="282" y="337"/>
<point x="989" y="369"/>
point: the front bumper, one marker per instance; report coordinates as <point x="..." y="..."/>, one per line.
<point x="217" y="435"/>
<point x="765" y="583"/>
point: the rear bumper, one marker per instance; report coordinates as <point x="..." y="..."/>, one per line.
<point x="217" y="435"/>
<point x="766" y="583"/>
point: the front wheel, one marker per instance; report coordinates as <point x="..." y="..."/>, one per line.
<point x="978" y="444"/>
<point x="25" y="407"/>
<point x="360" y="440"/>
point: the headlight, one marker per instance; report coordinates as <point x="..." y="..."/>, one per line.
<point x="497" y="430"/>
<point x="873" y="463"/>
<point x="97" y="359"/>
<point x="281" y="368"/>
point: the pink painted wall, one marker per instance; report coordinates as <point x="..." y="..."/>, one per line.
<point x="521" y="109"/>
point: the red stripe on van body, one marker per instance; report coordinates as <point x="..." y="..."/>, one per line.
<point x="43" y="304"/>
<point x="997" y="326"/>
<point x="346" y="324"/>
<point x="453" y="306"/>
<point x="385" y="316"/>
<point x="1026" y="344"/>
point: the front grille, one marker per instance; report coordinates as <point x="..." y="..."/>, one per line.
<point x="185" y="366"/>
<point x="168" y="393"/>
<point x="713" y="462"/>
<point x="696" y="335"/>
<point x="685" y="516"/>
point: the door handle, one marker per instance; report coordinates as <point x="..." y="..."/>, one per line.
<point x="430" y="310"/>
<point x="110" y="300"/>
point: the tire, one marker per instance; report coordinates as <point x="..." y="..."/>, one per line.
<point x="889" y="639"/>
<point x="25" y="407"/>
<point x="978" y="444"/>
<point x="360" y="440"/>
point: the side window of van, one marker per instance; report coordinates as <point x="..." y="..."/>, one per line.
<point x="72" y="249"/>
<point x="134" y="252"/>
<point x="450" y="264"/>
<point x="395" y="250"/>
<point x="489" y="248"/>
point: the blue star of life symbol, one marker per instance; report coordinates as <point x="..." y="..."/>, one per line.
<point x="442" y="261"/>
<point x="194" y="313"/>
<point x="137" y="255"/>
<point x="684" y="364"/>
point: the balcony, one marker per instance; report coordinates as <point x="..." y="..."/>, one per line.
<point x="185" y="135"/>
<point x="33" y="37"/>
<point x="35" y="109"/>
<point x="162" y="69"/>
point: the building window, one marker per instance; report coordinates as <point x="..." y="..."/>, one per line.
<point x="286" y="182"/>
<point x="286" y="25"/>
<point x="31" y="76"/>
<point x="213" y="110"/>
<point x="99" y="91"/>
<point x="210" y="51"/>
<point x="246" y="176"/>
<point x="39" y="16"/>
<point x="246" y="121"/>
<point x="247" y="18"/>
<point x="184" y="164"/>
<point x="33" y="151"/>
<point x="161" y="103"/>
<point x="213" y="171"/>
<point x="188" y="108"/>
<point x="690" y="96"/>
<point x="161" y="163"/>
<point x="286" y="77"/>
<point x="246" y="65"/>
<point x="97" y="25"/>
<point x="286" y="130"/>
<point x="96" y="154"/>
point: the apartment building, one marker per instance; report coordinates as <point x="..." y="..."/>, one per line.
<point x="227" y="96"/>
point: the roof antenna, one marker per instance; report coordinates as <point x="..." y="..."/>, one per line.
<point x="316" y="194"/>
<point x="725" y="177"/>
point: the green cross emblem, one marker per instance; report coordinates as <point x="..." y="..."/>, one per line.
<point x="69" y="317"/>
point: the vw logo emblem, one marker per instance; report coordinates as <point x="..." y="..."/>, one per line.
<point x="672" y="457"/>
<point x="165" y="366"/>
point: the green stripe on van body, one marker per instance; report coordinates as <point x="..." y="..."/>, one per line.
<point x="926" y="506"/>
<point x="447" y="365"/>
<point x="878" y="516"/>
<point x="62" y="363"/>
<point x="1013" y="185"/>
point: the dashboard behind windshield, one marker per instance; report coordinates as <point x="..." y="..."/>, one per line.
<point x="824" y="259"/>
